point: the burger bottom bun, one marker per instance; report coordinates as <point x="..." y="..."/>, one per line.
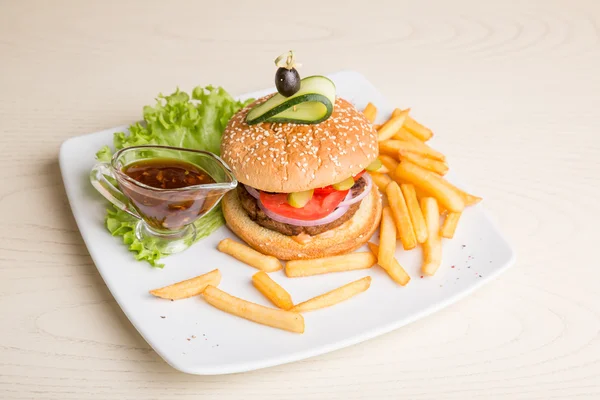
<point x="345" y="238"/>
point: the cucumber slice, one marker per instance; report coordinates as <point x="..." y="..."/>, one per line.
<point x="314" y="103"/>
<point x="309" y="112"/>
<point x="344" y="185"/>
<point x="375" y="165"/>
<point x="299" y="199"/>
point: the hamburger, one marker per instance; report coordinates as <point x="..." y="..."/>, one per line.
<point x="303" y="191"/>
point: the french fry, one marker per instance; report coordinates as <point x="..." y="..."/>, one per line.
<point x="377" y="126"/>
<point x="431" y="183"/>
<point x="432" y="248"/>
<point x="399" y="182"/>
<point x="401" y="217"/>
<point x="387" y="236"/>
<point x="399" y="111"/>
<point x="419" y="148"/>
<point x="272" y="291"/>
<point x="414" y="210"/>
<point x="381" y="180"/>
<point x="421" y="132"/>
<point x="395" y="270"/>
<point x="469" y="199"/>
<point x="249" y="256"/>
<point x="382" y="170"/>
<point x="403" y="134"/>
<point x="396" y="148"/>
<point x="335" y="296"/>
<point x="449" y="225"/>
<point x="389" y="147"/>
<point x="392" y="126"/>
<point x="346" y="262"/>
<point x="384" y="203"/>
<point x="188" y="288"/>
<point x="370" y="112"/>
<point x="417" y="129"/>
<point x="286" y="320"/>
<point x="389" y="162"/>
<point x="439" y="167"/>
<point x="421" y="193"/>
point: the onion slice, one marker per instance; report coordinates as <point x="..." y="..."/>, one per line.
<point x="253" y="192"/>
<point x="337" y="213"/>
<point x="353" y="200"/>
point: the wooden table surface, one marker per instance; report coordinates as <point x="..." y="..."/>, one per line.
<point x="520" y="124"/>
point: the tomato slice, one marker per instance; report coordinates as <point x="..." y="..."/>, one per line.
<point x="330" y="189"/>
<point x="325" y="190"/>
<point x="320" y="205"/>
<point x="357" y="176"/>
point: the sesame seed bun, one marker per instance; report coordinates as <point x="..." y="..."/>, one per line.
<point x="287" y="157"/>
<point x="345" y="238"/>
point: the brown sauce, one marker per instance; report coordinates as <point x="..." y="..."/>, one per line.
<point x="168" y="210"/>
<point x="166" y="173"/>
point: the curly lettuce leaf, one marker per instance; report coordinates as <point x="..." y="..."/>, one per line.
<point x="119" y="223"/>
<point x="195" y="122"/>
<point x="104" y="154"/>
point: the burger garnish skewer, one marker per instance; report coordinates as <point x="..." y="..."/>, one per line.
<point x="287" y="78"/>
<point x="314" y="103"/>
<point x="302" y="101"/>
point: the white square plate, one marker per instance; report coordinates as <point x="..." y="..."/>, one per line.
<point x="196" y="338"/>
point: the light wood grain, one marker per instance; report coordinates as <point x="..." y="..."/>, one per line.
<point x="516" y="87"/>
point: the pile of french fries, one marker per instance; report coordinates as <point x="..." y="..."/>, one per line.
<point x="418" y="199"/>
<point x="418" y="196"/>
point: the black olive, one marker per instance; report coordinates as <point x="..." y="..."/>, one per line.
<point x="287" y="81"/>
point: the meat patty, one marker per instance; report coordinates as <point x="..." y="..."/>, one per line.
<point x="257" y="215"/>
